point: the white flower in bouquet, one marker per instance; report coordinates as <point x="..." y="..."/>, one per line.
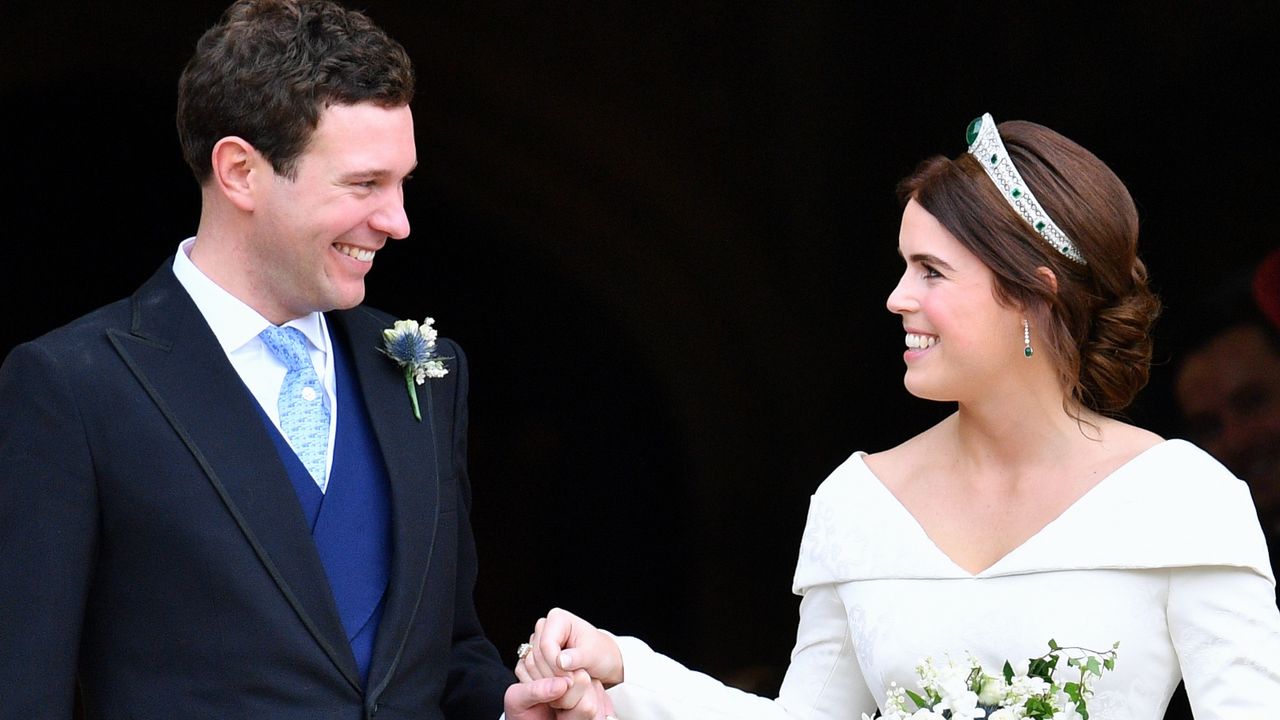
<point x="1068" y="712"/>
<point x="1022" y="688"/>
<point x="956" y="692"/>
<point x="956" y="698"/>
<point x="992" y="690"/>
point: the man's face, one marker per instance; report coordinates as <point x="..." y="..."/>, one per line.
<point x="1229" y="393"/>
<point x="315" y="236"/>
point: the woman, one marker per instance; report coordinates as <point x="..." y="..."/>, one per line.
<point x="1031" y="513"/>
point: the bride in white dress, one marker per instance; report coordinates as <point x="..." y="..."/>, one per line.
<point x="1029" y="514"/>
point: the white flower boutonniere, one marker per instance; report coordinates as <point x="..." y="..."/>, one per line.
<point x="413" y="347"/>
<point x="952" y="692"/>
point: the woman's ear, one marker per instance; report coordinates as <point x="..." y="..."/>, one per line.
<point x="1048" y="278"/>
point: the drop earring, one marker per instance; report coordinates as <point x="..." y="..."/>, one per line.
<point x="1026" y="338"/>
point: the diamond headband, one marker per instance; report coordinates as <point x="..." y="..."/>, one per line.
<point x="985" y="145"/>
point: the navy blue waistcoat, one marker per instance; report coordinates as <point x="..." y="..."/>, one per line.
<point x="351" y="521"/>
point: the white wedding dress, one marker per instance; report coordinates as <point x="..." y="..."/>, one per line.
<point x="1165" y="555"/>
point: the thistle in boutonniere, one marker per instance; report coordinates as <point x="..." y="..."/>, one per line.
<point x="956" y="692"/>
<point x="413" y="347"/>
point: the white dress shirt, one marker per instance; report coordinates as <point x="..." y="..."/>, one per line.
<point x="236" y="325"/>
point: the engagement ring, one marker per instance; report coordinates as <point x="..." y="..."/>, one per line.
<point x="523" y="650"/>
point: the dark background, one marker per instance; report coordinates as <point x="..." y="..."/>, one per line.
<point x="664" y="232"/>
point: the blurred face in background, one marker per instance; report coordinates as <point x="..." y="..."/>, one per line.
<point x="1229" y="395"/>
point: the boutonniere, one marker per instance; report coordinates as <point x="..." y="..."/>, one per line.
<point x="969" y="691"/>
<point x="413" y="347"/>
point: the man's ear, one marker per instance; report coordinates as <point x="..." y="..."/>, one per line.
<point x="237" y="170"/>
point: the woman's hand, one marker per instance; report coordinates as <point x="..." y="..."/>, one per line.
<point x="565" y="645"/>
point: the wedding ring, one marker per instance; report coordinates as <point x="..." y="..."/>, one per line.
<point x="524" y="649"/>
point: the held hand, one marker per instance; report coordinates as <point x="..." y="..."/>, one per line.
<point x="527" y="700"/>
<point x="563" y="643"/>
<point x="548" y="698"/>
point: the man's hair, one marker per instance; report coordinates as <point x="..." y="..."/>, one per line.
<point x="268" y="68"/>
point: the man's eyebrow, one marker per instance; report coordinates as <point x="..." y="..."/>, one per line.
<point x="373" y="174"/>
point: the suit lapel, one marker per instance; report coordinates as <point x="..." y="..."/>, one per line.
<point x="409" y="450"/>
<point x="179" y="362"/>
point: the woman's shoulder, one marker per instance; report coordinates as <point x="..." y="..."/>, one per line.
<point x="1171" y="505"/>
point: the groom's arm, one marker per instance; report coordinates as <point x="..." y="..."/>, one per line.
<point x="477" y="676"/>
<point x="48" y="531"/>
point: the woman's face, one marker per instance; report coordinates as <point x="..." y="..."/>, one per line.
<point x="960" y="340"/>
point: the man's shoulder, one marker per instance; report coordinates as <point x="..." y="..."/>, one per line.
<point x="75" y="351"/>
<point x="84" y="330"/>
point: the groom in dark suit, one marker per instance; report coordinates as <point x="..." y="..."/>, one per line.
<point x="215" y="498"/>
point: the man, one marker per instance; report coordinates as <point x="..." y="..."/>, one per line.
<point x="215" y="498"/>
<point x="1228" y="391"/>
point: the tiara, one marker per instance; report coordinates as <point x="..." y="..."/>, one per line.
<point x="985" y="145"/>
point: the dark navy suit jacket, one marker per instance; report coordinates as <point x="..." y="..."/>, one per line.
<point x="153" y="551"/>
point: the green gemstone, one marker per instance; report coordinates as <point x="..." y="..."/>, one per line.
<point x="1017" y="192"/>
<point x="971" y="132"/>
<point x="1039" y="226"/>
<point x="1027" y="351"/>
<point x="995" y="159"/>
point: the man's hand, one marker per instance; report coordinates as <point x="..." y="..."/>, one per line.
<point x="532" y="700"/>
<point x="529" y="700"/>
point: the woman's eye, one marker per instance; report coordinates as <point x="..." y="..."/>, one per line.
<point x="929" y="272"/>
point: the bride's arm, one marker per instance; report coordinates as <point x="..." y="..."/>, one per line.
<point x="823" y="682"/>
<point x="1226" y="628"/>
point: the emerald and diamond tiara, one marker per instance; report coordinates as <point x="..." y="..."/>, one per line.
<point x="987" y="147"/>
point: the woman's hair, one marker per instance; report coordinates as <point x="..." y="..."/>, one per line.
<point x="1096" y="324"/>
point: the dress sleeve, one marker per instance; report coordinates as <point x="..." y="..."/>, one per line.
<point x="1226" y="629"/>
<point x="823" y="682"/>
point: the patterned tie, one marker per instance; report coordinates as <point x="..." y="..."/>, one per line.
<point x="304" y="414"/>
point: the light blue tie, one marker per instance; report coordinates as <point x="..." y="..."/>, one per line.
<point x="304" y="411"/>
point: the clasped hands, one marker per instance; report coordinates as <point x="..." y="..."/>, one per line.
<point x="565" y="671"/>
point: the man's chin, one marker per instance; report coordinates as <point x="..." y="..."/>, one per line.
<point x="348" y="298"/>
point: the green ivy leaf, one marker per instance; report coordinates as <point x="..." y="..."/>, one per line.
<point x="1043" y="668"/>
<point x="1038" y="707"/>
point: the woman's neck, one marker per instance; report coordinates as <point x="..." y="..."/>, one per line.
<point x="1019" y="436"/>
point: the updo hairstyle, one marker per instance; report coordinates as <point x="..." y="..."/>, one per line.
<point x="1096" y="325"/>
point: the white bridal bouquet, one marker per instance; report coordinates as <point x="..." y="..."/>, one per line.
<point x="964" y="692"/>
